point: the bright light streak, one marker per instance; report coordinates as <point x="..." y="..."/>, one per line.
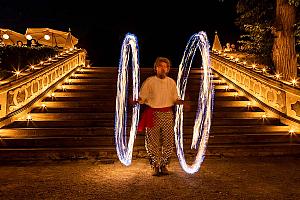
<point x="124" y="151"/>
<point x="205" y="102"/>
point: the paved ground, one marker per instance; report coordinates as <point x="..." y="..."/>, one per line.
<point x="218" y="178"/>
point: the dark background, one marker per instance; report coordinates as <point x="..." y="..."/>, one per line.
<point x="162" y="28"/>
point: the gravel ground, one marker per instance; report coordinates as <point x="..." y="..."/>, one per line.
<point x="218" y="178"/>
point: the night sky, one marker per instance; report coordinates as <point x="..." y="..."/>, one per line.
<point x="162" y="29"/>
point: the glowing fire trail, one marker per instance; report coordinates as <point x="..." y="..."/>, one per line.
<point x="205" y="102"/>
<point x="125" y="152"/>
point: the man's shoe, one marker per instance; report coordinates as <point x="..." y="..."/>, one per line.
<point x="164" y="170"/>
<point x="155" y="171"/>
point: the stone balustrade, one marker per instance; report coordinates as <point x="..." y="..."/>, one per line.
<point x="280" y="98"/>
<point x="19" y="94"/>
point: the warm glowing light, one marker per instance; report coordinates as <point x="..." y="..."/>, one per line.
<point x="5" y="36"/>
<point x="49" y="59"/>
<point x="47" y="37"/>
<point x="28" y="117"/>
<point x="41" y="62"/>
<point x="125" y="150"/>
<point x="264" y="70"/>
<point x="244" y="62"/>
<point x="264" y="116"/>
<point x="277" y="76"/>
<point x="32" y="66"/>
<point x="43" y="105"/>
<point x="205" y="102"/>
<point x="28" y="37"/>
<point x="294" y="82"/>
<point x="226" y="87"/>
<point x="231" y="57"/>
<point x="237" y="60"/>
<point x="253" y="66"/>
<point x="17" y="72"/>
<point x="291" y="131"/>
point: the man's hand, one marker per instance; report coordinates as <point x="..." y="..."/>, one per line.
<point x="186" y="104"/>
<point x="134" y="101"/>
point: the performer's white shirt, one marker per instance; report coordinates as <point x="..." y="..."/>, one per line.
<point x="159" y="93"/>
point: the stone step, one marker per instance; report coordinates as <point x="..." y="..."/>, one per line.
<point x="45" y="142"/>
<point x="218" y="100"/>
<point x="10" y="131"/>
<point x="114" y="76"/>
<point x="82" y="113"/>
<point x="269" y="149"/>
<point x="110" y="105"/>
<point x="103" y="106"/>
<point x="143" y="69"/>
<point x="109" y="153"/>
<point x="57" y="154"/>
<point x="83" y="94"/>
<point x="70" y="99"/>
<point x="90" y="87"/>
<point x="79" y="121"/>
<point x="98" y="141"/>
<point x="217" y="117"/>
<point x="255" y="138"/>
<point x="110" y="115"/>
<point x="143" y="76"/>
<point x="113" y="86"/>
<point x="102" y="94"/>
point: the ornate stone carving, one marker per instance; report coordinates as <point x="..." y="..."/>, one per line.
<point x="296" y="107"/>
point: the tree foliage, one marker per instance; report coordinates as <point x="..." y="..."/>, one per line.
<point x="256" y="19"/>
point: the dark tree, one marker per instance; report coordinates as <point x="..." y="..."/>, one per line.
<point x="284" y="47"/>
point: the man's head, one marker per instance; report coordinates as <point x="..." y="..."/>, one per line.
<point x="162" y="67"/>
<point x="33" y="42"/>
<point x="19" y="43"/>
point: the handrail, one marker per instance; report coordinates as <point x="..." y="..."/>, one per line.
<point x="15" y="96"/>
<point x="281" y="99"/>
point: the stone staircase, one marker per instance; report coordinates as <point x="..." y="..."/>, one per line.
<point x="76" y="122"/>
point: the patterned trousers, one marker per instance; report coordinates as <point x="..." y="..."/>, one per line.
<point x="159" y="140"/>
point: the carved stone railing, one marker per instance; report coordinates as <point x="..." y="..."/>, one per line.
<point x="280" y="98"/>
<point x="18" y="95"/>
